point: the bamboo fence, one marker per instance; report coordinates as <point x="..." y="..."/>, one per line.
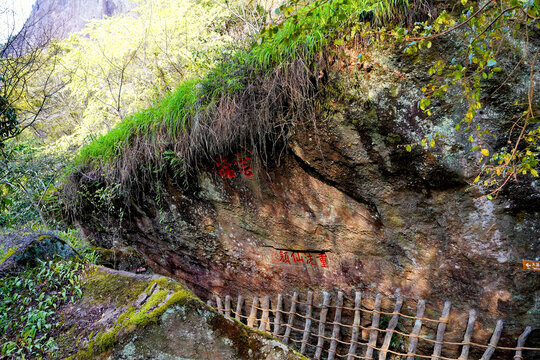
<point x="334" y="331"/>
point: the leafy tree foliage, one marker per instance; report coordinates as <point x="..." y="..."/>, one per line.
<point x="8" y="120"/>
<point x="119" y="65"/>
<point x="490" y="33"/>
<point x="26" y="54"/>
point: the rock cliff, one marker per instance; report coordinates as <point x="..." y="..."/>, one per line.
<point x="347" y="207"/>
<point x="59" y="18"/>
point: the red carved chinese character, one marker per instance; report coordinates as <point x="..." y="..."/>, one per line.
<point x="224" y="168"/>
<point x="284" y="257"/>
<point x="275" y="256"/>
<point x="242" y="162"/>
<point x="297" y="257"/>
<point x="324" y="260"/>
<point x="310" y="260"/>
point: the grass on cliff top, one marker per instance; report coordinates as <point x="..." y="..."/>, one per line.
<point x="302" y="35"/>
<point x="172" y="111"/>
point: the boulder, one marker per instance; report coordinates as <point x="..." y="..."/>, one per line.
<point x="122" y="315"/>
<point x="18" y="249"/>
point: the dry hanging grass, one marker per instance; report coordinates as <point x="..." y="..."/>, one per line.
<point x="257" y="119"/>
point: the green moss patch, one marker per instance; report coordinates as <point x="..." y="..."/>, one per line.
<point x="124" y="292"/>
<point x="122" y="313"/>
<point x="117" y="288"/>
<point x="6" y="253"/>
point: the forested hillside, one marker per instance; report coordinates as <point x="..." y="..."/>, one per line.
<point x="251" y="148"/>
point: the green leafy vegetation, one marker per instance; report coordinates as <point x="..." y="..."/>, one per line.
<point x="486" y="32"/>
<point x="305" y="30"/>
<point x="8" y="120"/>
<point x="66" y="93"/>
<point x="299" y="36"/>
<point x="117" y="66"/>
<point x="28" y="178"/>
<point x="172" y="111"/>
<point x="29" y="299"/>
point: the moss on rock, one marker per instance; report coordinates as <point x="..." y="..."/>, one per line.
<point x="6" y="253"/>
<point x="18" y="249"/>
<point x="138" y="300"/>
<point x="117" y="288"/>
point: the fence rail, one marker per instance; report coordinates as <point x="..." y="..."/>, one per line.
<point x="333" y="331"/>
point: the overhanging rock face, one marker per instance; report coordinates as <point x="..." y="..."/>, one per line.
<point x="348" y="207"/>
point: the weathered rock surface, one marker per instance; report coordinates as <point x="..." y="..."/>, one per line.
<point x="195" y="332"/>
<point x="126" y="259"/>
<point x="384" y="218"/>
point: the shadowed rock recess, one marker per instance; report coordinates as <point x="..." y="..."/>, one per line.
<point x="346" y="188"/>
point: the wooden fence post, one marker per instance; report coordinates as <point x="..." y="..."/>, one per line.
<point x="219" y="305"/>
<point x="335" y="332"/>
<point x="521" y="341"/>
<point x="413" y="340"/>
<point x="391" y="326"/>
<point x="265" y="324"/>
<point x="307" y="328"/>
<point x="291" y="318"/>
<point x="494" y="340"/>
<point x="441" y="328"/>
<point x="322" y="325"/>
<point x="468" y="335"/>
<point x="253" y="314"/>
<point x="277" y="315"/>
<point x="228" y="305"/>
<point x="374" y="325"/>
<point x="239" y="307"/>
<point x="356" y="325"/>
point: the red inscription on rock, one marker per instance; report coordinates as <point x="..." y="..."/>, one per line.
<point x="224" y="168"/>
<point x="226" y="171"/>
<point x="310" y="260"/>
<point x="243" y="165"/>
<point x="284" y="257"/>
<point x="323" y="260"/>
<point x="299" y="258"/>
